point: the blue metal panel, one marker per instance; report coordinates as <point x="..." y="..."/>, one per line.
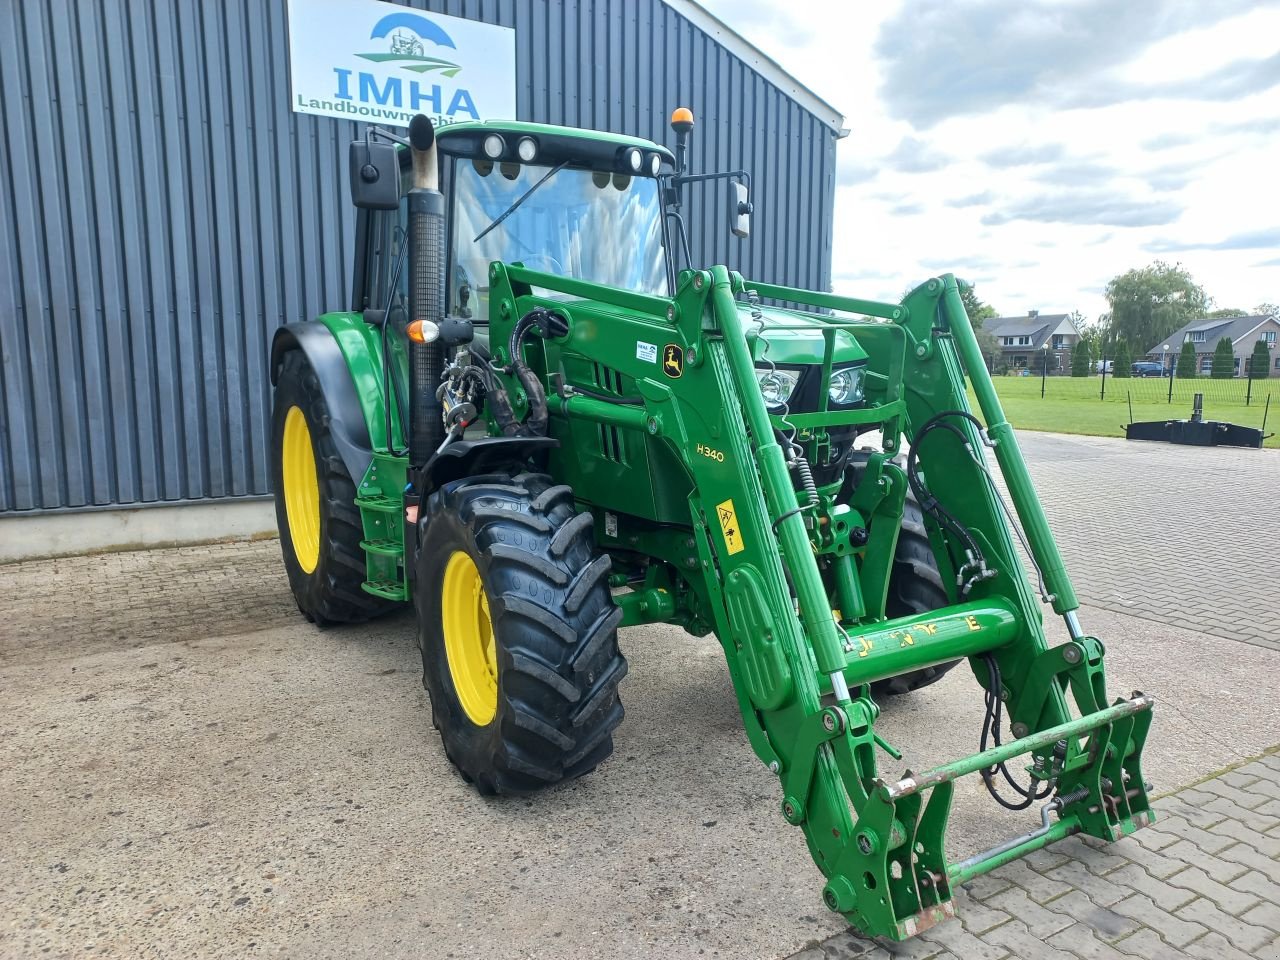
<point x="162" y="211"/>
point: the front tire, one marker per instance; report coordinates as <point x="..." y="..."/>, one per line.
<point x="319" y="523"/>
<point x="518" y="632"/>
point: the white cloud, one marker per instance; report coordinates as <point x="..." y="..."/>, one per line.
<point x="1042" y="148"/>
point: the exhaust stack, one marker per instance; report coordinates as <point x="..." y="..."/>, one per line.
<point x="426" y="291"/>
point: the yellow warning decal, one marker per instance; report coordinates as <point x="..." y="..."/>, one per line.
<point x="729" y="527"/>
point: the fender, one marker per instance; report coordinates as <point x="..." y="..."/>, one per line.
<point x="465" y="458"/>
<point x="348" y="418"/>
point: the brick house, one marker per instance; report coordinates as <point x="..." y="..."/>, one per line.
<point x="1022" y="338"/>
<point x="1243" y="332"/>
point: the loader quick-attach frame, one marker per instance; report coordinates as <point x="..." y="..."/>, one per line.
<point x="750" y="572"/>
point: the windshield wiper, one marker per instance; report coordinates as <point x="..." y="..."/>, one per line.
<point x="527" y="194"/>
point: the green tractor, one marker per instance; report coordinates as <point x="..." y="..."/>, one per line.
<point x="540" y="423"/>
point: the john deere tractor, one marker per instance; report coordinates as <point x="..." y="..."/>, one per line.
<point x="540" y="422"/>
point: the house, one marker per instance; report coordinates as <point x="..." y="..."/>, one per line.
<point x="1022" y="338"/>
<point x="1243" y="332"/>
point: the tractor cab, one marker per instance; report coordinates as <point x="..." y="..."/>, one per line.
<point x="562" y="201"/>
<point x="565" y="202"/>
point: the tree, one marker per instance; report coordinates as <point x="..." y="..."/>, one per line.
<point x="1187" y="361"/>
<point x="1150" y="303"/>
<point x="1224" y="361"/>
<point x="1081" y="359"/>
<point x="1267" y="310"/>
<point x="1122" y="362"/>
<point x="1224" y="314"/>
<point x="1044" y="361"/>
<point x="989" y="344"/>
<point x="1260" y="361"/>
<point x="975" y="308"/>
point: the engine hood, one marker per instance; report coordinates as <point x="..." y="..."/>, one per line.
<point x="803" y="343"/>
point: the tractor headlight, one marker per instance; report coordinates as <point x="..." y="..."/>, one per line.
<point x="527" y="149"/>
<point x="635" y="159"/>
<point x="846" y="385"/>
<point x="776" y="386"/>
<point x="655" y="164"/>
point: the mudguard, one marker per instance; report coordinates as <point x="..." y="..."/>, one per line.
<point x="348" y="422"/>
<point x="465" y="458"/>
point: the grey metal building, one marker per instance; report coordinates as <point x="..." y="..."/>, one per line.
<point x="162" y="211"/>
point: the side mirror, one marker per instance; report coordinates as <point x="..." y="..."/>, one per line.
<point x="739" y="209"/>
<point x="374" y="167"/>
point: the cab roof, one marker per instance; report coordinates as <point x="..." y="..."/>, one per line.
<point x="581" y="148"/>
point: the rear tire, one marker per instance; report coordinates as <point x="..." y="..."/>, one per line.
<point x="915" y="585"/>
<point x="542" y="623"/>
<point x="320" y="527"/>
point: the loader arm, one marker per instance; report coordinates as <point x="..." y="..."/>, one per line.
<point x="748" y="563"/>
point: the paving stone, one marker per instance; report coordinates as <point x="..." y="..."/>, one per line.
<point x="1264" y="915"/>
<point x="1147" y="944"/>
<point x="1106" y="924"/>
<point x="1246" y="856"/>
<point x="1270" y="846"/>
<point x="1259" y="885"/>
<point x="1152" y="839"/>
<point x="1232" y="901"/>
<point x="1224" y="871"/>
<point x="1100" y="860"/>
<point x="1044" y="859"/>
<point x="1178" y="932"/>
<point x="978" y="918"/>
<point x="1199" y="816"/>
<point x="1236" y="778"/>
<point x="1040" y="887"/>
<point x="1179" y="829"/>
<point x="1138" y="880"/>
<point x="1156" y="864"/>
<point x="1021" y="942"/>
<point x="1214" y="946"/>
<point x="986" y="886"/>
<point x="1043" y="923"/>
<point x="1073" y="874"/>
<point x="1080" y="941"/>
<point x="1244" y="935"/>
<point x="962" y="943"/>
<point x="1244" y="798"/>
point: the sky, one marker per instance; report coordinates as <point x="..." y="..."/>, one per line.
<point x="1038" y="149"/>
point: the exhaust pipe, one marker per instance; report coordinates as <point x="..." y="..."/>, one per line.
<point x="426" y="292"/>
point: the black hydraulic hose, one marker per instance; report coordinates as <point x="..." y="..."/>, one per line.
<point x="991" y="731"/>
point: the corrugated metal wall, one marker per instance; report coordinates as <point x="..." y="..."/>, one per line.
<point x="162" y="211"/>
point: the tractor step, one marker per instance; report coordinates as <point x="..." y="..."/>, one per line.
<point x="383" y="548"/>
<point x="389" y="589"/>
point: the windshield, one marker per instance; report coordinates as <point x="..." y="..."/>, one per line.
<point x="599" y="226"/>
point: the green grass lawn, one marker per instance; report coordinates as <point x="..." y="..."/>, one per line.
<point x="1071" y="405"/>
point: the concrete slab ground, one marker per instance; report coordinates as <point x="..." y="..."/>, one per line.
<point x="188" y="769"/>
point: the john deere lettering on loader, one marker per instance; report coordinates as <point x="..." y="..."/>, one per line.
<point x="539" y="422"/>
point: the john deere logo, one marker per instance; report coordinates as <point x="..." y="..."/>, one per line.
<point x="673" y="360"/>
<point x="407" y="35"/>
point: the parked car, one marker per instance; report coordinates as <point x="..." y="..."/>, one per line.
<point x="1147" y="368"/>
<point x="1103" y="366"/>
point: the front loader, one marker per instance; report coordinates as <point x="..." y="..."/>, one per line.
<point x="540" y="423"/>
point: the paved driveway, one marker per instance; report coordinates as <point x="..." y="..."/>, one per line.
<point x="188" y="769"/>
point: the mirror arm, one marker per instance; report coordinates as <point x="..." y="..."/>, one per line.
<point x="742" y="175"/>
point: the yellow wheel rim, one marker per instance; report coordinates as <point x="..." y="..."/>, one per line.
<point x="469" y="643"/>
<point x="301" y="490"/>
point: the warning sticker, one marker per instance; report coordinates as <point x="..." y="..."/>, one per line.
<point x="729" y="527"/>
<point x="646" y="351"/>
